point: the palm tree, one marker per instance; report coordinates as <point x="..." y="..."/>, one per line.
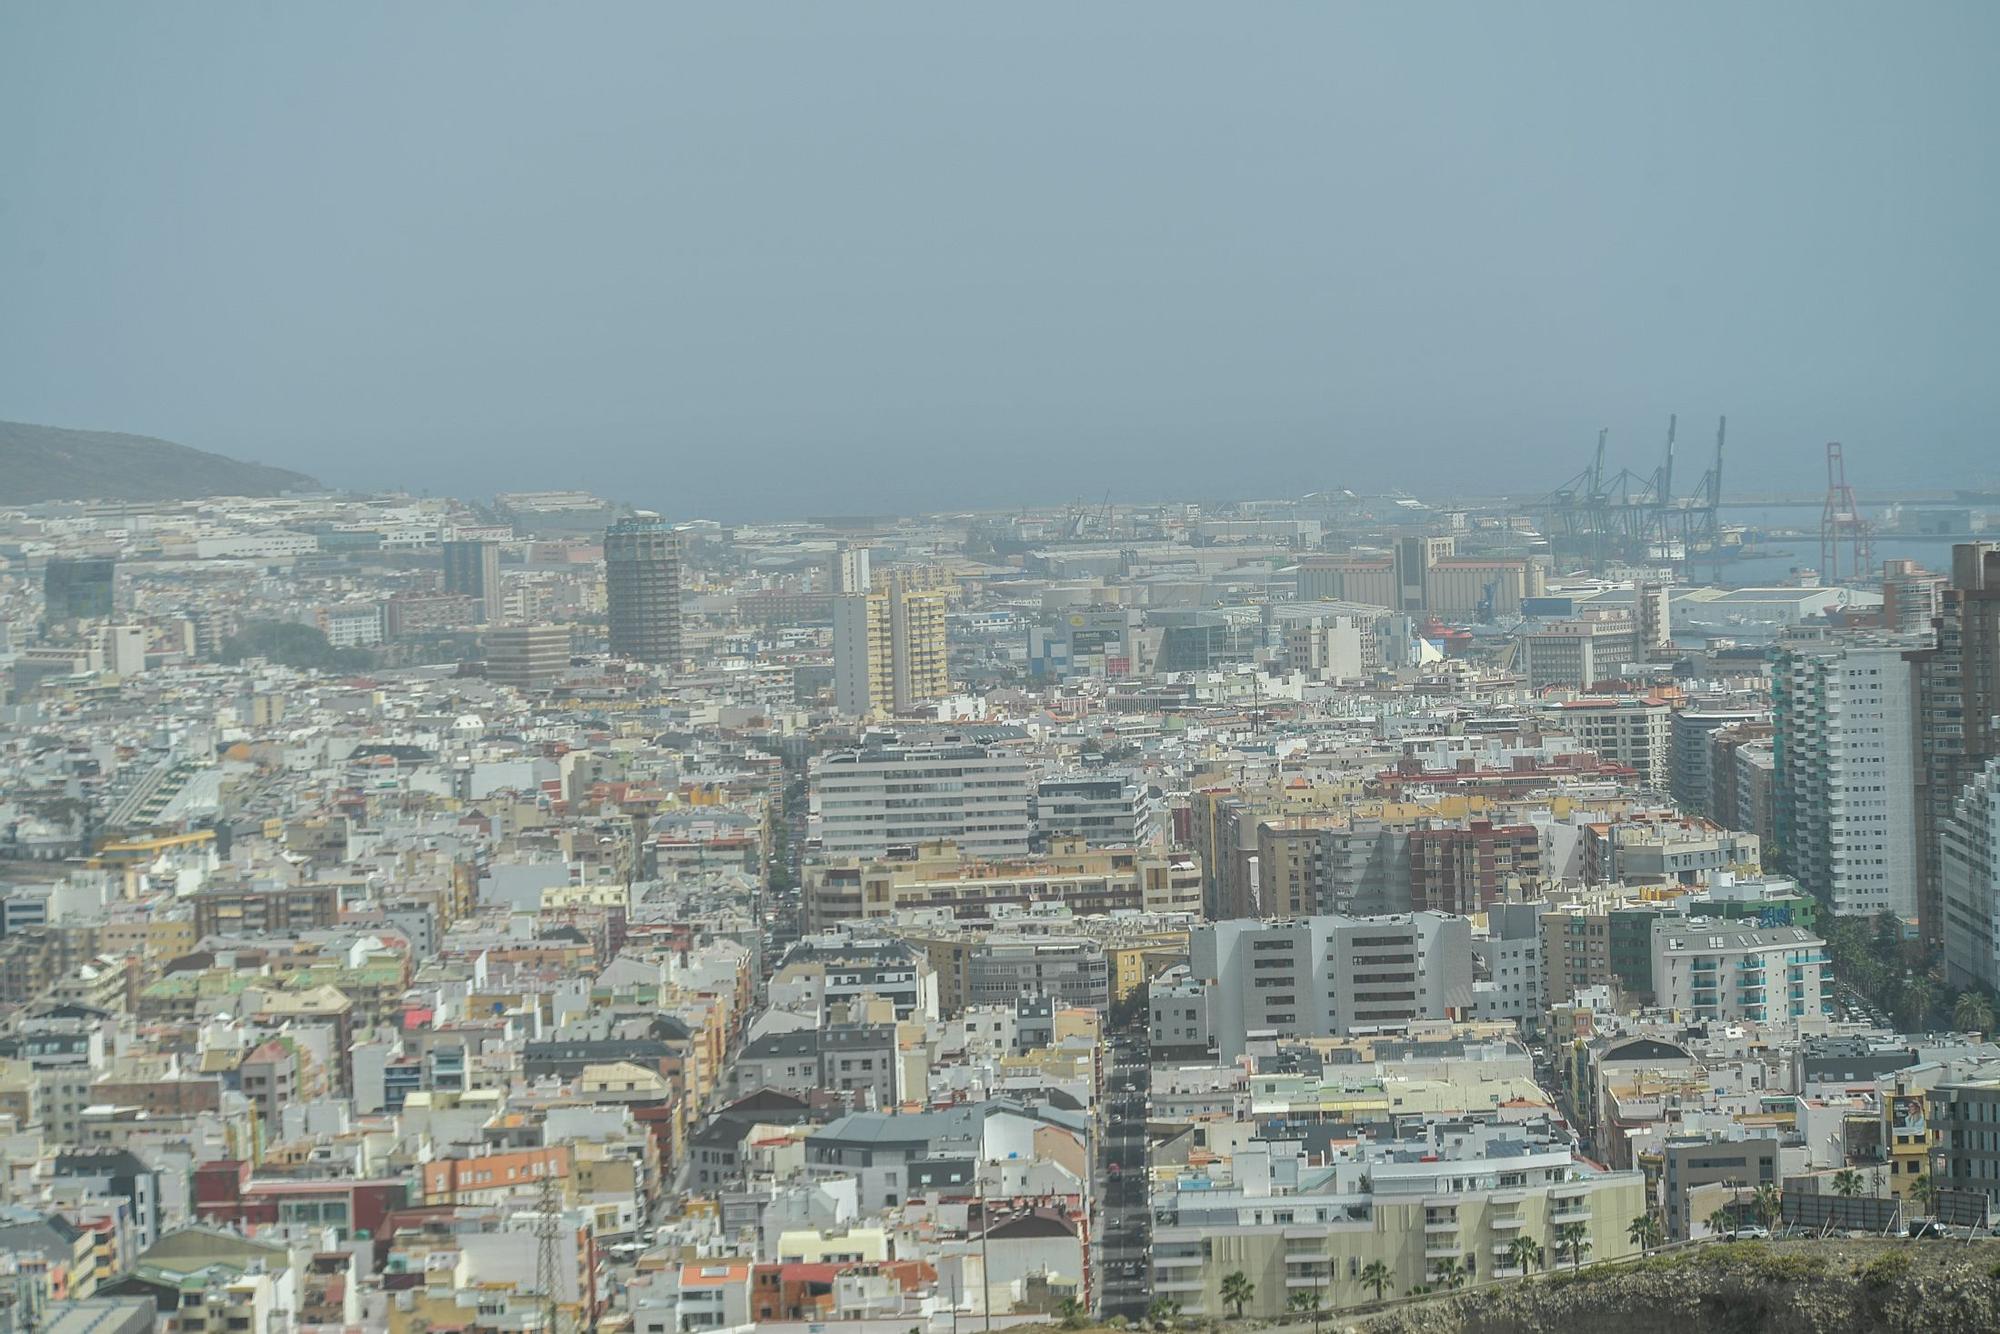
<point x="1237" y="1290"/>
<point x="1376" y="1275"/>
<point x="1163" y="1309"/>
<point x="1303" y="1302"/>
<point x="1451" y="1274"/>
<point x="1847" y="1183"/>
<point x="1769" y="1202"/>
<point x="1972" y="1014"/>
<point x="1572" y="1240"/>
<point x="1525" y="1253"/>
<point x="1722" y="1222"/>
<point x="1645" y="1232"/>
<point x="1916" y="1002"/>
<point x="1922" y="1189"/>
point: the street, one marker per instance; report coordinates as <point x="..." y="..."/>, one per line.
<point x="1125" y="1247"/>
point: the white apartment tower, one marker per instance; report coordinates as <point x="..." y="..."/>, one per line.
<point x="1845" y="780"/>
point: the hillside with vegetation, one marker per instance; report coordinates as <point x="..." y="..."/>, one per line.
<point x="44" y="463"/>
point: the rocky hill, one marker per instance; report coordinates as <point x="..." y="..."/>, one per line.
<point x="1827" y="1287"/>
<point x="39" y="463"/>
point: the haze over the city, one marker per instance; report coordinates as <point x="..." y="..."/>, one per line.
<point x="748" y="260"/>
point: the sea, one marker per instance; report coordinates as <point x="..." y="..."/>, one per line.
<point x="1788" y="553"/>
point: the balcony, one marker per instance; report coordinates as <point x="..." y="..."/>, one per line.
<point x="1441" y="1248"/>
<point x="1440" y="1225"/>
<point x="1179" y="1285"/>
<point x="1571" y="1213"/>
<point x="1178" y="1261"/>
<point x="1507" y="1222"/>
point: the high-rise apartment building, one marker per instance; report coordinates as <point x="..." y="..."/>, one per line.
<point x="1741" y="769"/>
<point x="1332" y="864"/>
<point x="78" y="588"/>
<point x="526" y="657"/>
<point x="1912" y="597"/>
<point x="868" y="801"/>
<point x="1466" y="870"/>
<point x="1845" y="786"/>
<point x="1636" y="732"/>
<point x="849" y="571"/>
<point x="1693" y="760"/>
<point x="889" y="644"/>
<point x="1652" y="609"/>
<point x="642" y="588"/>
<point x="472" y="569"/>
<point x="1958" y="714"/>
<point x="1969" y="853"/>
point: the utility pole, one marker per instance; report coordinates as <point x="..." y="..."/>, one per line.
<point x="985" y="1226"/>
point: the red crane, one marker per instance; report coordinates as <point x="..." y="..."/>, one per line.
<point x="1842" y="524"/>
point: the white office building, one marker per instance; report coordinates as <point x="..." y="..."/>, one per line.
<point x="1110" y="810"/>
<point x="1329" y="976"/>
<point x="865" y="802"/>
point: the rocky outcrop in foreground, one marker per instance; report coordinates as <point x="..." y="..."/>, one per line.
<point x="1824" y="1287"/>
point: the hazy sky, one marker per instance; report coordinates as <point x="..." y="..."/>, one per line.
<point x="734" y="259"/>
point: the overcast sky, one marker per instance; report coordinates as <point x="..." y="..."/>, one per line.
<point x="740" y="259"/>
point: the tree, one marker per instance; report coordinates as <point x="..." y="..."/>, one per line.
<point x="1572" y="1240"/>
<point x="1972" y="1014"/>
<point x="1888" y="938"/>
<point x="1162" y="1310"/>
<point x="1645" y="1232"/>
<point x="1303" y="1302"/>
<point x="1922" y="1189"/>
<point x="1722" y="1222"/>
<point x="1913" y="1006"/>
<point x="1420" y="1290"/>
<point x="1770" y="1205"/>
<point x="1072" y="1313"/>
<point x="1376" y="1275"/>
<point x="1453" y="1274"/>
<point x="1847" y="1183"/>
<point x="1238" y="1290"/>
<point x="1525" y="1253"/>
<point x="292" y="645"/>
